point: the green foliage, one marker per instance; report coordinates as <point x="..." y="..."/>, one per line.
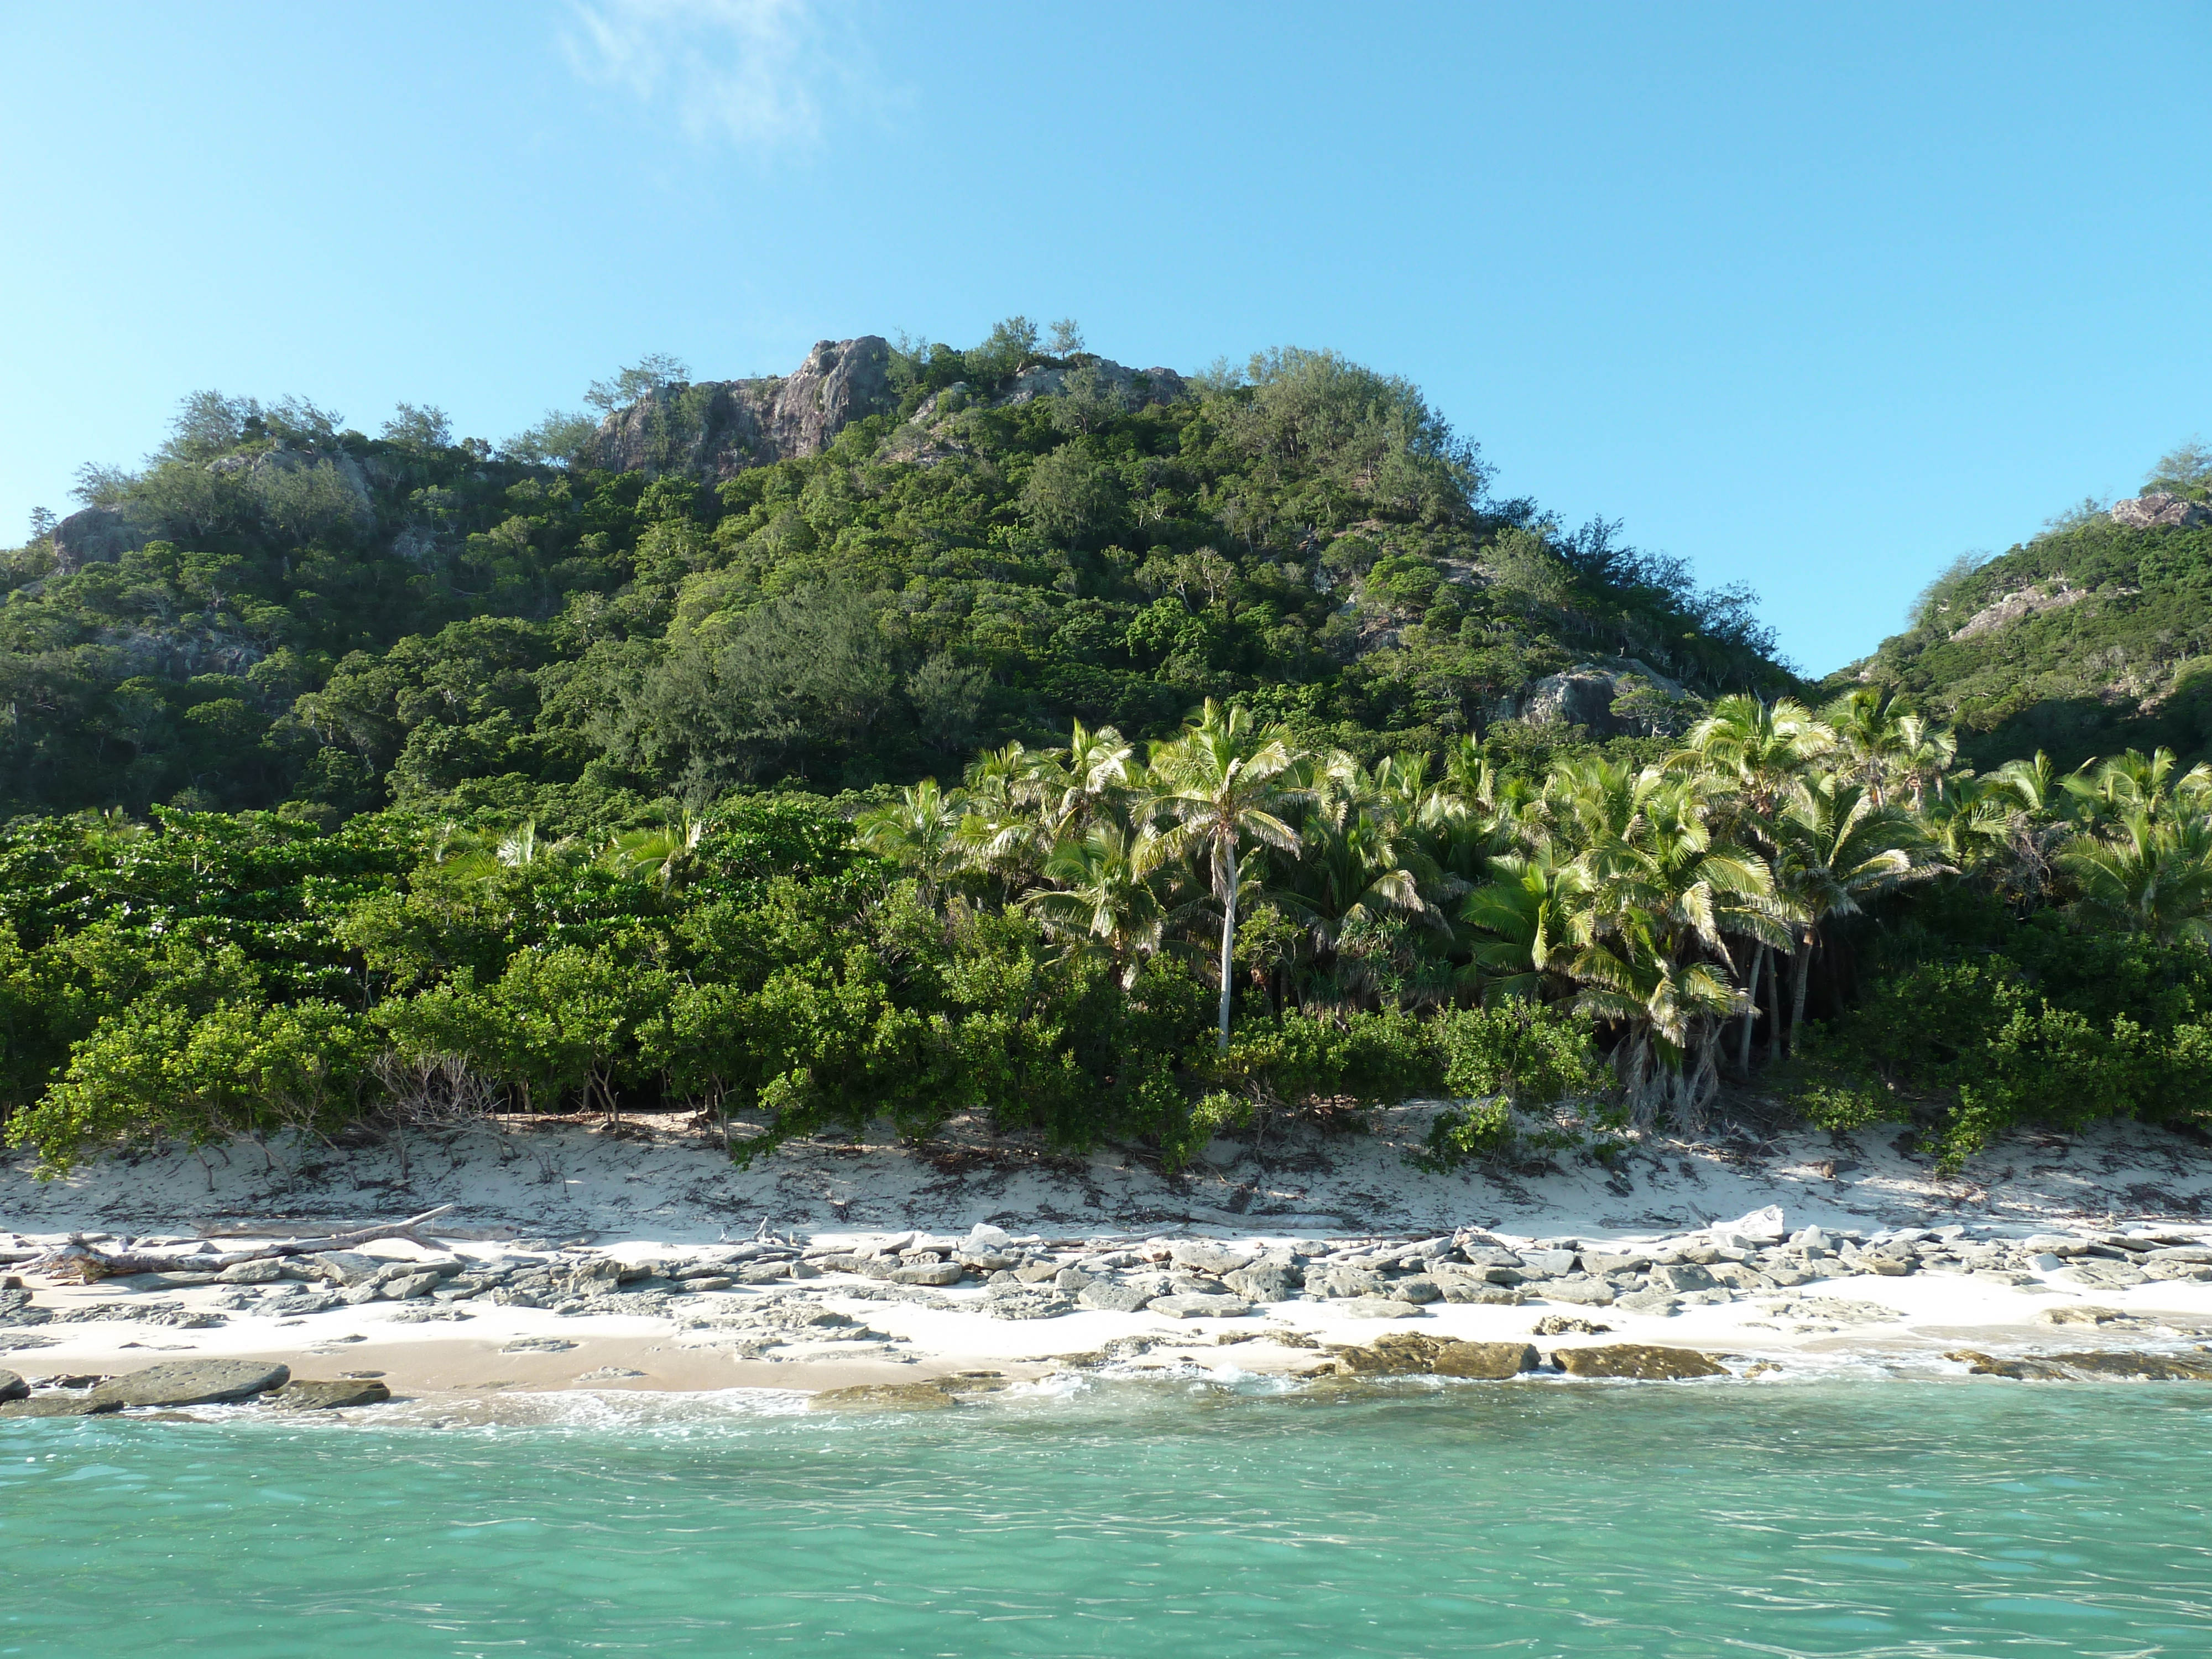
<point x="1532" y="1079"/>
<point x="325" y="622"/>
<point x="2090" y="639"/>
<point x="1983" y="1024"/>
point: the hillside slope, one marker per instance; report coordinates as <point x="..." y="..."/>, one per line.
<point x="2091" y="639"/>
<point x="852" y="574"/>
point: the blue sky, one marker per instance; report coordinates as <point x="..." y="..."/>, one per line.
<point x="1816" y="297"/>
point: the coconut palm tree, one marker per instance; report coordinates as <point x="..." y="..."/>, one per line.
<point x="1839" y="851"/>
<point x="921" y="830"/>
<point x="668" y="854"/>
<point x="1526" y="913"/>
<point x="1219" y="784"/>
<point x="2108" y="792"/>
<point x="2145" y="873"/>
<point x="1106" y="904"/>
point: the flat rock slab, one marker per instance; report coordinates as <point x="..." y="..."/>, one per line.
<point x="1375" y="1307"/>
<point x="883" y="1397"/>
<point x="13" y="1387"/>
<point x="192" y="1383"/>
<point x="1409" y="1353"/>
<point x="1112" y="1296"/>
<point x="306" y="1396"/>
<point x="539" y="1345"/>
<point x="2090" y="1367"/>
<point x="1639" y="1361"/>
<point x="1586" y="1293"/>
<point x="1198" y="1306"/>
<point x="942" y="1272"/>
<point x="53" y="1405"/>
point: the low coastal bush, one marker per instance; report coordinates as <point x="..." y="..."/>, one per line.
<point x="1530" y="1078"/>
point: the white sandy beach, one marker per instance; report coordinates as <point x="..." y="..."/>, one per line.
<point x="548" y="1197"/>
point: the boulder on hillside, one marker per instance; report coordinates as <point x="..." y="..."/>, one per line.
<point x="98" y="535"/>
<point x="2159" y="511"/>
<point x="1587" y="695"/>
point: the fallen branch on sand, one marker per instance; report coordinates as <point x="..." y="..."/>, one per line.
<point x="90" y="1262"/>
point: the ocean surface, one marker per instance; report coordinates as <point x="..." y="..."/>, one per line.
<point x="1766" y="1520"/>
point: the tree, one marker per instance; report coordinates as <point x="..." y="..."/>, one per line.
<point x="920" y="831"/>
<point x="1839" y="852"/>
<point x="1220" y="783"/>
<point x="1105" y="903"/>
<point x="2146" y="874"/>
<point x="1066" y="337"/>
<point x="641" y="380"/>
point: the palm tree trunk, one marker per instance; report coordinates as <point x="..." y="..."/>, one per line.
<point x="1801" y="970"/>
<point x="1743" y="1049"/>
<point x="1774" y="1014"/>
<point x="1228" y="938"/>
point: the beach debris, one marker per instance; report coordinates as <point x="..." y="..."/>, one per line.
<point x="1638" y="1361"/>
<point x="300" y="1396"/>
<point x="609" y="1374"/>
<point x="539" y="1345"/>
<point x="1561" y="1325"/>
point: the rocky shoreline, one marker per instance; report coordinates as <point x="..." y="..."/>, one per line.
<point x="917" y="1319"/>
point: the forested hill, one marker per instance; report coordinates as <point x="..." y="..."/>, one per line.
<point x="2094" y="638"/>
<point x="854" y="574"/>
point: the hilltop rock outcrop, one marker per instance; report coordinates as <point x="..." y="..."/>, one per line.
<point x="717" y="428"/>
<point x="98" y="535"/>
<point x="2159" y="511"/>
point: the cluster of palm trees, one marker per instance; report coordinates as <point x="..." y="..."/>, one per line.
<point x="1677" y="903"/>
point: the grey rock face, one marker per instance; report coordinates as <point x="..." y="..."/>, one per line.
<point x="2157" y="511"/>
<point x="98" y="535"/>
<point x="190" y="1383"/>
<point x="715" y="429"/>
<point x="1584" y="696"/>
<point x="1131" y="388"/>
<point x="1684" y="1277"/>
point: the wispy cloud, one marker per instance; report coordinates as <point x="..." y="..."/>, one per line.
<point x="756" y="73"/>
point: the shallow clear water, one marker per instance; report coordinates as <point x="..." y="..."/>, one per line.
<point x="1861" y="1519"/>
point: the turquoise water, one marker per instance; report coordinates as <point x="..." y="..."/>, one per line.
<point x="1861" y="1519"/>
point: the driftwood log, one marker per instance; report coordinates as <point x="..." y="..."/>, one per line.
<point x="90" y="1262"/>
